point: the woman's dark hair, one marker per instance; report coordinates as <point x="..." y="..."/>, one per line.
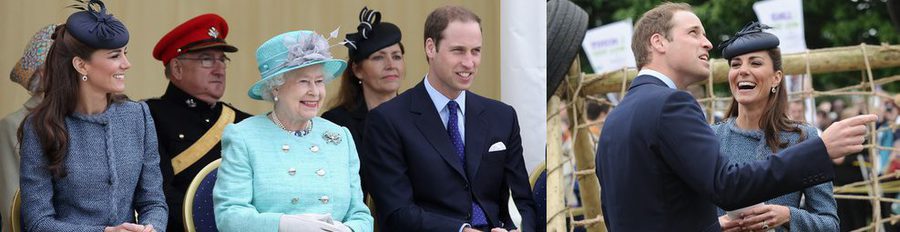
<point x="351" y="90"/>
<point x="61" y="90"/>
<point x="774" y="119"/>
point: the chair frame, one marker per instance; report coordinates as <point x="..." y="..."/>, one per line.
<point x="15" y="211"/>
<point x="188" y="208"/>
<point x="537" y="173"/>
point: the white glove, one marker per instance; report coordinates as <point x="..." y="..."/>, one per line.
<point x="341" y="227"/>
<point x="308" y="223"/>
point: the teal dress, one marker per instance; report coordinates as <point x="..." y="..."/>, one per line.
<point x="267" y="172"/>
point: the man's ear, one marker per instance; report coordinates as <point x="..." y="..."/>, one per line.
<point x="658" y="42"/>
<point x="175" y="67"/>
<point x="430" y="48"/>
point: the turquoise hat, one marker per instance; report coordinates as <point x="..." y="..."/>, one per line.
<point x="294" y="50"/>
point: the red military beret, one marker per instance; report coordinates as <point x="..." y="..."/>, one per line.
<point x="201" y="32"/>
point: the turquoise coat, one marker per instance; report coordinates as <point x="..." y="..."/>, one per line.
<point x="267" y="172"/>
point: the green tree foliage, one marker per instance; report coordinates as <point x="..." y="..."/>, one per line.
<point x="828" y="23"/>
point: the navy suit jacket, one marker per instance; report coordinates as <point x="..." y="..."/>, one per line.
<point x="417" y="179"/>
<point x="660" y="169"/>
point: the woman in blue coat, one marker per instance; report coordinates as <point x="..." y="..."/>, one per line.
<point x="89" y="159"/>
<point x="288" y="170"/>
<point x="757" y="126"/>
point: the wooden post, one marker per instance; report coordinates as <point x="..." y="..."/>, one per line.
<point x="826" y="60"/>
<point x="556" y="216"/>
<point x="584" y="158"/>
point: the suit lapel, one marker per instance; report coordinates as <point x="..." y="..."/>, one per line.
<point x="476" y="130"/>
<point x="432" y="128"/>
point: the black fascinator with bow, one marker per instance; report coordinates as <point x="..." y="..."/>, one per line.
<point x="96" y="28"/>
<point x="749" y="39"/>
<point x="371" y="35"/>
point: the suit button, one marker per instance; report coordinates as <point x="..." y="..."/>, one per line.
<point x="295" y="200"/>
<point x="314" y="148"/>
<point x="285" y="148"/>
<point x="466" y="187"/>
<point x="468" y="216"/>
<point x="320" y="172"/>
<point x="292" y="171"/>
<point x="324" y="199"/>
<point x="181" y="136"/>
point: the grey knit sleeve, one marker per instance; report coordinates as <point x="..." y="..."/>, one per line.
<point x="149" y="200"/>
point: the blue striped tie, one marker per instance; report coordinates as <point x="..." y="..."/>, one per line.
<point x="478" y="218"/>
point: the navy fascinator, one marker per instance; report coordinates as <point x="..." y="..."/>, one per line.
<point x="94" y="27"/>
<point x="749" y="39"/>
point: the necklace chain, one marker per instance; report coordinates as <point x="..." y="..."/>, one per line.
<point x="298" y="133"/>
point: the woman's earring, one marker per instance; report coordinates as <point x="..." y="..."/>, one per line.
<point x="360" y="82"/>
<point x="83" y="77"/>
<point x="774" y="89"/>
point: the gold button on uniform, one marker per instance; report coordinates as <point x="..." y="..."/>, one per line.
<point x="320" y="172"/>
<point x="314" y="148"/>
<point x="324" y="199"/>
<point x="292" y="171"/>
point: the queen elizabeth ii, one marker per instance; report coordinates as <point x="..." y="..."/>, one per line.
<point x="288" y="170"/>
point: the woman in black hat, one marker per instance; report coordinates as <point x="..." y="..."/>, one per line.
<point x="375" y="70"/>
<point x="89" y="157"/>
<point x="757" y="126"/>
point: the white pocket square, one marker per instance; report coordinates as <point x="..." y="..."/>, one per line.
<point x="498" y="146"/>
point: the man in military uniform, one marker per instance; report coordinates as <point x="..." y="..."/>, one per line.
<point x="189" y="116"/>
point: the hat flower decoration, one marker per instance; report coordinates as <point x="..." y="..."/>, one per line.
<point x="371" y="35"/>
<point x="294" y="50"/>
<point x="313" y="47"/>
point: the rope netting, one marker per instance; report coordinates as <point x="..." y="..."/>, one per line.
<point x="573" y="161"/>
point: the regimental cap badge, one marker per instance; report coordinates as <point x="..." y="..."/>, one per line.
<point x="213" y="32"/>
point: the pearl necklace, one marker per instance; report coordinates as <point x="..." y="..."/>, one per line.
<point x="298" y="133"/>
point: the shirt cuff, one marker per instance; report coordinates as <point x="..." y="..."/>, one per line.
<point x="464" y="225"/>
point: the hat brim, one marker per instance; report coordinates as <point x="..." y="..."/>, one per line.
<point x="219" y="45"/>
<point x="334" y="67"/>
